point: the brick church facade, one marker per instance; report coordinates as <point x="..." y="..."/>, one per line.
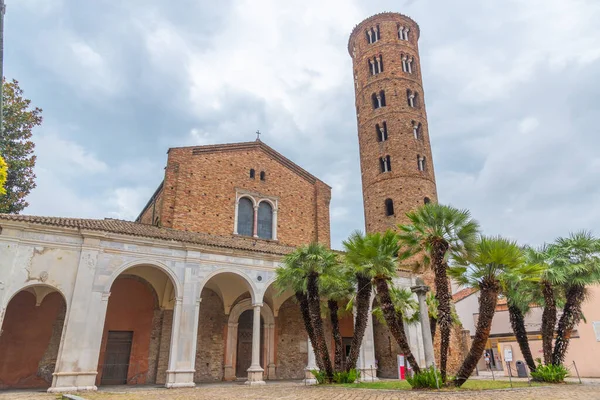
<point x="185" y="293"/>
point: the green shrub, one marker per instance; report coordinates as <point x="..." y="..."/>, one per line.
<point x="550" y="373"/>
<point x="426" y="379"/>
<point x="346" y="377"/>
<point x="319" y="375"/>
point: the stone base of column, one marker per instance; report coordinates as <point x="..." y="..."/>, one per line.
<point x="229" y="373"/>
<point x="73" y="382"/>
<point x="368" y="375"/>
<point x="255" y="376"/>
<point x="309" y="378"/>
<point x="271" y="372"/>
<point x="180" y="379"/>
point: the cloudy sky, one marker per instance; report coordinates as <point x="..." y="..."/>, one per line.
<point x="511" y="87"/>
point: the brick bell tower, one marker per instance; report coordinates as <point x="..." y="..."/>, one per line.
<point x="395" y="153"/>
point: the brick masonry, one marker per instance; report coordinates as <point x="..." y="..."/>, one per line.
<point x="211" y="343"/>
<point x="199" y="192"/>
<point x="48" y="361"/>
<point x="405" y="184"/>
<point x="162" y="363"/>
<point x="292" y="347"/>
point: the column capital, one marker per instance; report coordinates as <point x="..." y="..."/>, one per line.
<point x="420" y="289"/>
<point x="257" y="304"/>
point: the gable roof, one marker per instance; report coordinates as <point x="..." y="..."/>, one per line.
<point x="149" y="231"/>
<point x="463" y="294"/>
<point x="257" y="144"/>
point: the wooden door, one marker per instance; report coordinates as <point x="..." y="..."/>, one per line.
<point x="116" y="358"/>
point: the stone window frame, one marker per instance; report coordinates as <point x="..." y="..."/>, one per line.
<point x="256" y="199"/>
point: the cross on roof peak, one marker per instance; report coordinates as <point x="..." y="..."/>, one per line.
<point x="258" y="135"/>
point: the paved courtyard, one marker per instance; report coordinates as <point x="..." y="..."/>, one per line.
<point x="293" y="391"/>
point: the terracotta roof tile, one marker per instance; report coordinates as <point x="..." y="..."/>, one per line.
<point x="462" y="294"/>
<point x="149" y="231"/>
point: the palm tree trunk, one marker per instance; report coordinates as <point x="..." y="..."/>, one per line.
<point x="571" y="315"/>
<point x="303" y="302"/>
<point x="442" y="293"/>
<point x="432" y="326"/>
<point x="517" y="321"/>
<point x="363" y="300"/>
<point x="487" y="307"/>
<point x="548" y="320"/>
<point x="337" y="336"/>
<point x="396" y="327"/>
<point x="314" y="307"/>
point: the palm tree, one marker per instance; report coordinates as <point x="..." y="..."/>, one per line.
<point x="301" y="275"/>
<point x="578" y="258"/>
<point x="336" y="285"/>
<point x="435" y="233"/>
<point x="495" y="260"/>
<point x="520" y="295"/>
<point x="550" y="280"/>
<point x="374" y="257"/>
<point x="405" y="304"/>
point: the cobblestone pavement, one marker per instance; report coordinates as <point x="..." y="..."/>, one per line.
<point x="291" y="391"/>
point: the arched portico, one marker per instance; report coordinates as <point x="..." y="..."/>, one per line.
<point x="138" y="326"/>
<point x="268" y="334"/>
<point x="31" y="336"/>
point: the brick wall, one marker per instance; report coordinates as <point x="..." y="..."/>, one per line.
<point x="292" y="347"/>
<point x="164" y="347"/>
<point x="199" y="192"/>
<point x="405" y="184"/>
<point x="211" y="342"/>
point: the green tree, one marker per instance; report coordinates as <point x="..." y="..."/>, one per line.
<point x="300" y="275"/>
<point x="336" y="285"/>
<point x="577" y="257"/>
<point x="375" y="255"/>
<point x="547" y="293"/>
<point x="488" y="269"/>
<point x="16" y="147"/>
<point x="434" y="234"/>
<point x="519" y="296"/>
<point x="3" y="173"/>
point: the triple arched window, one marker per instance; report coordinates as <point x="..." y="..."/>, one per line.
<point x="376" y="65"/>
<point x="255" y="216"/>
<point x="372" y="34"/>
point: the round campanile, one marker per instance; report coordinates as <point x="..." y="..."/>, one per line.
<point x="395" y="153"/>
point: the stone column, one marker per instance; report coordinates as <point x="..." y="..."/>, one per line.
<point x="77" y="361"/>
<point x="309" y="378"/>
<point x="255" y="228"/>
<point x="421" y="291"/>
<point x="182" y="355"/>
<point x="230" y="351"/>
<point x="274" y="224"/>
<point x="366" y="359"/>
<point x="269" y="351"/>
<point x="255" y="372"/>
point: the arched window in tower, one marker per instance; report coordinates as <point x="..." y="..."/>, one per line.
<point x="426" y="200"/>
<point x="410" y="98"/>
<point x="417" y="130"/>
<point x="416" y="100"/>
<point x="252" y="173"/>
<point x="245" y="217"/>
<point x="389" y="207"/>
<point x="376" y="65"/>
<point x="385" y="164"/>
<point x="372" y="34"/>
<point x="381" y="131"/>
<point x="421" y="163"/>
<point x="263" y="175"/>
<point x="265" y="220"/>
<point x="378" y="99"/>
<point x="409" y="62"/>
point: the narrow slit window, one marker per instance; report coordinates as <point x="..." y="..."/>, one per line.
<point x="389" y="207"/>
<point x="263" y="175"/>
<point x="252" y="173"/>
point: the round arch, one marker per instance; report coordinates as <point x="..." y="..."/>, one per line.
<point x="232" y="338"/>
<point x="269" y="201"/>
<point x="247" y="196"/>
<point x="32" y="339"/>
<point x="145" y="263"/>
<point x="255" y="294"/>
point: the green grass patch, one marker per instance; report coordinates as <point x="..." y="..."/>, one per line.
<point x="473" y="384"/>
